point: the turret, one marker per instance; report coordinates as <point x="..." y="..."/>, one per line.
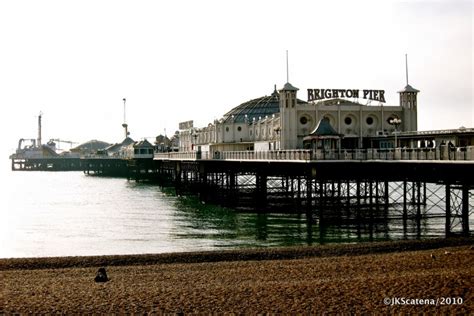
<point x="288" y="101"/>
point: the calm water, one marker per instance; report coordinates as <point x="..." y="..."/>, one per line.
<point x="69" y="214"/>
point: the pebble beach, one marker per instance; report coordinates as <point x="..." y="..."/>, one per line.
<point x="431" y="276"/>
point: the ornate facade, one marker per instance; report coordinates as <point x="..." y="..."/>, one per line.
<point x="282" y="121"/>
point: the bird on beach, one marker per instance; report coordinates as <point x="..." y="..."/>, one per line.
<point x="433" y="256"/>
<point x="101" y="276"/>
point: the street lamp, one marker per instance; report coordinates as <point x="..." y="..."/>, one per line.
<point x="194" y="136"/>
<point x="277" y="131"/>
<point x="395" y="122"/>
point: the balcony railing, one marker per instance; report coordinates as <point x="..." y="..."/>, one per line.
<point x="441" y="153"/>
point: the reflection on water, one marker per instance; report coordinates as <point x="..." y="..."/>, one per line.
<point x="66" y="214"/>
<point x="229" y="228"/>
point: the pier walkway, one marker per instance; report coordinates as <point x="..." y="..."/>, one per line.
<point x="445" y="153"/>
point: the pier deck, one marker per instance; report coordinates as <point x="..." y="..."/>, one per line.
<point x="326" y="189"/>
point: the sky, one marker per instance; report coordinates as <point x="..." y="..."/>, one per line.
<point x="182" y="60"/>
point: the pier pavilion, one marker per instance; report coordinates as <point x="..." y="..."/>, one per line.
<point x="281" y="121"/>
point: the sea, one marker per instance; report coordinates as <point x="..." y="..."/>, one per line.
<point x="48" y="214"/>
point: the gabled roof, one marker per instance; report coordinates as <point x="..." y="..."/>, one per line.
<point x="127" y="141"/>
<point x="143" y="144"/>
<point x="116" y="147"/>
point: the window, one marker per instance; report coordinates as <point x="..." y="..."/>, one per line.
<point x="348" y="120"/>
<point x="239" y="128"/>
<point x="227" y="129"/>
<point x="303" y="120"/>
<point x="369" y="120"/>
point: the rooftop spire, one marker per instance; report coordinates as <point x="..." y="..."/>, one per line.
<point x="287" y="71"/>
<point x="406" y="66"/>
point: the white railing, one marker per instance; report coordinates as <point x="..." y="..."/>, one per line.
<point x="264" y="155"/>
<point x="442" y="153"/>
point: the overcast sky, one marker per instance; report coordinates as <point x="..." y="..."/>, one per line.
<point x="195" y="60"/>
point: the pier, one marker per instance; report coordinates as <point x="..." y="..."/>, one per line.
<point x="47" y="164"/>
<point x="331" y="190"/>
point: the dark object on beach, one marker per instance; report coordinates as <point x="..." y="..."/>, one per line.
<point x="101" y="275"/>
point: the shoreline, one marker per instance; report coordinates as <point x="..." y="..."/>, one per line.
<point x="311" y="280"/>
<point x="253" y="254"/>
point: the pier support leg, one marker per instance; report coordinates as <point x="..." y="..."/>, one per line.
<point x="465" y="210"/>
<point x="447" y="226"/>
<point x="177" y="178"/>
<point x="309" y="195"/>
<point x="322" y="197"/>
<point x="261" y="191"/>
<point x="405" y="211"/>
<point x="358" y="201"/>
<point x="424" y="193"/>
<point x="348" y="197"/>
<point x="203" y="187"/>
<point x="299" y="193"/>
<point x="418" y="209"/>
<point x="232" y="189"/>
<point x="371" y="208"/>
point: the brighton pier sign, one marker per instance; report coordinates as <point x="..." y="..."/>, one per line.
<point x="321" y="94"/>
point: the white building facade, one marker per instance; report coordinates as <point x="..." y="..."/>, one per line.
<point x="282" y="120"/>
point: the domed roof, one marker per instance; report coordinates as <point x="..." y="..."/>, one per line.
<point x="256" y="108"/>
<point x="92" y="145"/>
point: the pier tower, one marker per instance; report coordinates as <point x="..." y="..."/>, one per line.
<point x="288" y="114"/>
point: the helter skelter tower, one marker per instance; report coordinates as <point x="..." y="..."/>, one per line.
<point x="125" y="125"/>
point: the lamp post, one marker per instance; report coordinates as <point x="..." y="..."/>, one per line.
<point x="194" y="135"/>
<point x="277" y="131"/>
<point x="395" y="122"/>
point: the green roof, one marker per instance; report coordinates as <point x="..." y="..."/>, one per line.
<point x="324" y="128"/>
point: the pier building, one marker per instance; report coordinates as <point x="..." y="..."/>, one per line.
<point x="281" y="121"/>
